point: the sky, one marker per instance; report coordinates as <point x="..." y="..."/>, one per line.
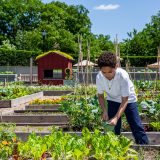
<point x="117" y="17"/>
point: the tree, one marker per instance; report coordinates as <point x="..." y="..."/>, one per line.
<point x="143" y="43"/>
<point x="7" y="45"/>
<point x="28" y="40"/>
<point x="18" y="15"/>
<point x="153" y="30"/>
<point x="22" y="22"/>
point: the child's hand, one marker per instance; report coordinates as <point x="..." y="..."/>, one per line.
<point x="113" y="121"/>
<point x="105" y="116"/>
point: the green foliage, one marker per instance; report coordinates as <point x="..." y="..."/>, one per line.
<point x="144" y="85"/>
<point x="88" y="146"/>
<point x="7" y="72"/>
<point x="17" y="57"/>
<point x="6" y="45"/>
<point x="152" y="109"/>
<point x="7" y="127"/>
<point x="17" y="90"/>
<point x="90" y="90"/>
<point x="19" y="15"/>
<point x="143" y="43"/>
<point x="22" y="23"/>
<point x="33" y="148"/>
<point x="82" y="113"/>
<point x="7" y="140"/>
<point x="107" y="127"/>
<point x="155" y="125"/>
<point x="153" y="31"/>
<point x="28" y="40"/>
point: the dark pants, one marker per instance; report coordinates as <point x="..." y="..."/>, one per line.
<point x="133" y="119"/>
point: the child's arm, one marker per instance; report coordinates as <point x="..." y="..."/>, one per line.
<point x="122" y="108"/>
<point x="103" y="106"/>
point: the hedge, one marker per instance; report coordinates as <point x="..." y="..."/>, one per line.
<point x="17" y="57"/>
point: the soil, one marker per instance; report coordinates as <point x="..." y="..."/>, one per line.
<point x="149" y="154"/>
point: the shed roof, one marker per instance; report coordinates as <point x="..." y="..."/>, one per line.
<point x="154" y="65"/>
<point x="55" y="52"/>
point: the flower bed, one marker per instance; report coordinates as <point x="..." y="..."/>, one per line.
<point x="47" y="101"/>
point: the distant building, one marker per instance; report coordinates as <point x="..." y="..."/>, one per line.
<point x="52" y="66"/>
<point x="85" y="63"/>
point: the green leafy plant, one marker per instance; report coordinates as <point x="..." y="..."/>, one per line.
<point x="7" y="72"/>
<point x="13" y="91"/>
<point x="144" y="85"/>
<point x="152" y="109"/>
<point x="33" y="148"/>
<point x="155" y="125"/>
<point x="7" y="140"/>
<point x="82" y="113"/>
<point x="89" y="145"/>
<point x="107" y="127"/>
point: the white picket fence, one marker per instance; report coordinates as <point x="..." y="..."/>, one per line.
<point x="27" y="77"/>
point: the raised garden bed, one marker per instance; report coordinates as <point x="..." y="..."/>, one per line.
<point x="37" y="111"/>
<point x="78" y="147"/>
<point x="8" y="77"/>
<point x="147" y="127"/>
<point x="42" y="106"/>
<point x="21" y="100"/>
<point x="56" y="93"/>
<point x="61" y="141"/>
<point x="5" y="103"/>
<point x="34" y="119"/>
<point x="28" y="98"/>
<point x="154" y="137"/>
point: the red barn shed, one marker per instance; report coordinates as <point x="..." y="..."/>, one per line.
<point x="51" y="67"/>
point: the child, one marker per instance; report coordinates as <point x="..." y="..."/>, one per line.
<point x="121" y="97"/>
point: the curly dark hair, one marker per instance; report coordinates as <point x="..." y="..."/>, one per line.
<point x="107" y="59"/>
